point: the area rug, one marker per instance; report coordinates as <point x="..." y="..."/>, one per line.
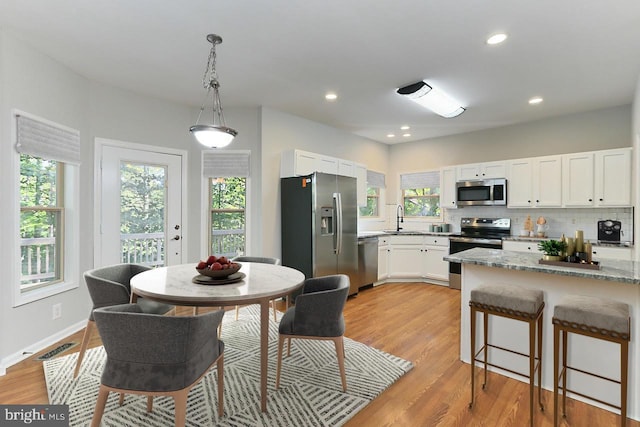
<point x="310" y="391"/>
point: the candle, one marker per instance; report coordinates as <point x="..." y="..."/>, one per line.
<point x="579" y="241"/>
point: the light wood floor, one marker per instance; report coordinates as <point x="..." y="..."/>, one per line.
<point x="420" y="323"/>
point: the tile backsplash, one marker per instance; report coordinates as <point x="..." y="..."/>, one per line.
<point x="562" y="220"/>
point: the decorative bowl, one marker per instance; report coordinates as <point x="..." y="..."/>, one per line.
<point x="221" y="274"/>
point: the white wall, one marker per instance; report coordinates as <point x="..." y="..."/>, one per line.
<point x="281" y="132"/>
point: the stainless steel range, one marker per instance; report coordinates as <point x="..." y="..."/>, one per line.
<point x="476" y="233"/>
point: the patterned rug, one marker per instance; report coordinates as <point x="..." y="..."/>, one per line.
<point x="310" y="391"/>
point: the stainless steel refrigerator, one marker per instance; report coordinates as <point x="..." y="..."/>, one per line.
<point x="320" y="225"/>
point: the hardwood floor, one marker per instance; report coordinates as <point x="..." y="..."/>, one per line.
<point x="418" y="322"/>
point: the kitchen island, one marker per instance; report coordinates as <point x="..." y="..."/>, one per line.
<point x="617" y="280"/>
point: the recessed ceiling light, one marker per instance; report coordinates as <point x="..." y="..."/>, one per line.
<point x="535" y="100"/>
<point x="405" y="127"/>
<point x="331" y="96"/>
<point x="497" y="38"/>
<point x="391" y="135"/>
<point x="406" y="134"/>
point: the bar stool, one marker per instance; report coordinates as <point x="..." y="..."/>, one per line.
<point x="516" y="303"/>
<point x="597" y="318"/>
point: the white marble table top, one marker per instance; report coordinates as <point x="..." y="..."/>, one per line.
<point x="173" y="284"/>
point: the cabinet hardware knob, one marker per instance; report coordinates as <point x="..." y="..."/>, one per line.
<point x="591" y="200"/>
<point x="601" y="199"/>
<point x="176" y="237"/>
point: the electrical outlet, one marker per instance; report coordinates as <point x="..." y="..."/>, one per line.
<point x="57" y="311"/>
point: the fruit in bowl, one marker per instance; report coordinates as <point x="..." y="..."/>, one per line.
<point x="218" y="267"/>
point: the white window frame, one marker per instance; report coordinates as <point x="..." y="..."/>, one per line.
<point x="423" y="219"/>
<point x="205" y="211"/>
<point x="71" y="242"/>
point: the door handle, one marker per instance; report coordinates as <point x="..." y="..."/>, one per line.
<point x="176" y="237"/>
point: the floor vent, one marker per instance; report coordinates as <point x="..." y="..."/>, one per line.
<point x="56" y="351"/>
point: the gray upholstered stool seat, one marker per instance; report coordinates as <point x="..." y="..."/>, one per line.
<point x="598" y="315"/>
<point x="599" y="318"/>
<point x="508" y="298"/>
<point x="512" y="302"/>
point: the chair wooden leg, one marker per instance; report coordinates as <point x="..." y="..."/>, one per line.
<point x="279" y="365"/>
<point x="120" y="399"/>
<point x="565" y="345"/>
<point x="195" y="310"/>
<point x="149" y="404"/>
<point x="273" y="305"/>
<point x="237" y="311"/>
<point x="339" y="343"/>
<point x="288" y="347"/>
<point x="88" y="331"/>
<point x="220" y="367"/>
<point x="540" y="323"/>
<point x="180" y="399"/>
<point x="485" y="326"/>
<point x="103" y="394"/>
<point x="532" y="367"/>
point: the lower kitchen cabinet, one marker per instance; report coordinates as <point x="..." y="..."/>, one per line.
<point x="417" y="257"/>
<point x="383" y="258"/>
<point x="599" y="252"/>
<point x="406" y="261"/>
<point x="434" y="266"/>
<point x="525" y="246"/>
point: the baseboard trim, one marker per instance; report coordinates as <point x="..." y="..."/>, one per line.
<point x="36" y="347"/>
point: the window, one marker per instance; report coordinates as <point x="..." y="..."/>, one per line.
<point x="375" y="181"/>
<point x="227" y="173"/>
<point x="41" y="221"/>
<point x="47" y="183"/>
<point x="421" y="194"/>
<point x="228" y="217"/>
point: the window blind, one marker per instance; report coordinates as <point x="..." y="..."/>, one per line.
<point x="375" y="179"/>
<point x="47" y="141"/>
<point x="420" y="180"/>
<point x="225" y="164"/>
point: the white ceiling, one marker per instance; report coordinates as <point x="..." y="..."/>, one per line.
<point x="579" y="55"/>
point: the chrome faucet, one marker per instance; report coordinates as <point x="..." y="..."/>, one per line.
<point x="399" y="217"/>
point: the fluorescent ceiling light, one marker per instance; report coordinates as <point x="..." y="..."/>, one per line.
<point x="331" y="97"/>
<point x="535" y="100"/>
<point x="390" y="135"/>
<point x="497" y="38"/>
<point x="406" y="135"/>
<point x="433" y="99"/>
<point x="405" y="127"/>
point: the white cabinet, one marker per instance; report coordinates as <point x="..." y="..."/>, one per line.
<point x="405" y="261"/>
<point x="346" y="168"/>
<point x="597" y="178"/>
<point x="535" y="182"/>
<point x="476" y="171"/>
<point x="448" y="179"/>
<point x="383" y="258"/>
<point x="361" y="178"/>
<point x="434" y="267"/>
<point x="613" y="177"/>
<point x="611" y="252"/>
<point x="521" y="246"/>
<point x="577" y="179"/>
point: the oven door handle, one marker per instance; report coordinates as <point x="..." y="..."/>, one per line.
<point x="476" y="240"/>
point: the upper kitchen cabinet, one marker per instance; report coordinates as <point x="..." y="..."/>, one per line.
<point x="597" y="178"/>
<point x="535" y="182"/>
<point x="448" y="188"/>
<point x="300" y="163"/>
<point x="477" y="171"/>
<point x="613" y="177"/>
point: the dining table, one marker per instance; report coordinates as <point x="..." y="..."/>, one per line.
<point x="258" y="283"/>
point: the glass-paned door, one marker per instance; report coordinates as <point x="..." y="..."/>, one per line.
<point x="140" y="207"/>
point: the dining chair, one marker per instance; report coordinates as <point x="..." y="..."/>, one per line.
<point x="317" y="314"/>
<point x="110" y="286"/>
<point x="156" y="355"/>
<point x="263" y="260"/>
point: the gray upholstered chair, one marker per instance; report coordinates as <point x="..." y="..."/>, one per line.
<point x="110" y="286"/>
<point x="263" y="260"/>
<point x="157" y="355"/>
<point x="317" y="314"/>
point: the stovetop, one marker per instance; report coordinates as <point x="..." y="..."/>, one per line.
<point x="485" y="228"/>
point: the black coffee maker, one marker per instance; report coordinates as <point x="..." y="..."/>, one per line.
<point x="609" y="231"/>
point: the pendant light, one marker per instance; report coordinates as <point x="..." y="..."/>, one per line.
<point x="217" y="134"/>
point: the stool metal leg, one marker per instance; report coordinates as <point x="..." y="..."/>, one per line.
<point x="485" y="339"/>
<point x="556" y="349"/>
<point x="540" y="322"/>
<point x="565" y="345"/>
<point x="624" y="370"/>
<point x="473" y="353"/>
<point x="532" y="366"/>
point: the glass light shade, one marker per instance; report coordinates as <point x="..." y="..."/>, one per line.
<point x="433" y="99"/>
<point x="213" y="136"/>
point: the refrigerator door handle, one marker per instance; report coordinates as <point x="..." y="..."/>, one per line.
<point x="337" y="199"/>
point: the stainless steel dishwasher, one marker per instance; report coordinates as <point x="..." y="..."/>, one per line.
<point x="367" y="260"/>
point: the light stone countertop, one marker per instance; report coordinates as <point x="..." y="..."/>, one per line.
<point x="593" y="242"/>
<point x="611" y="270"/>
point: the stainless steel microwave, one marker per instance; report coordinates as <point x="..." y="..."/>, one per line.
<point x="486" y="192"/>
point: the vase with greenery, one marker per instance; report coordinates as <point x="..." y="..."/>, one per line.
<point x="552" y="249"/>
